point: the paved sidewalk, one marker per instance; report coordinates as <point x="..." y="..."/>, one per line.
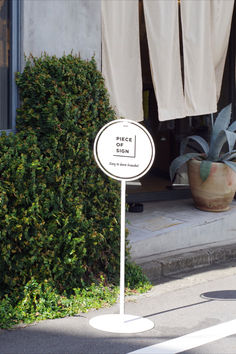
<point x="177" y="307"/>
<point x="172" y="236"/>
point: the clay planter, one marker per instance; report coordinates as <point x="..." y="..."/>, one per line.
<point x="217" y="192"/>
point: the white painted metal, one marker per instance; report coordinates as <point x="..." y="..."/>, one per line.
<point x="122" y="249"/>
<point x="124" y="150"/>
<point x="121" y="324"/>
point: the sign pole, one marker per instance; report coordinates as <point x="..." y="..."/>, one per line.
<point x="118" y="151"/>
<point x="122" y="249"/>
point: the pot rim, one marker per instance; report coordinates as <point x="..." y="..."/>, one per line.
<point x="196" y="161"/>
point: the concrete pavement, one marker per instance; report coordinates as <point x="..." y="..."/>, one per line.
<point x="180" y="305"/>
<point x="172" y="236"/>
<point x="177" y="305"/>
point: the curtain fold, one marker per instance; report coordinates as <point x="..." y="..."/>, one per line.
<point x="194" y="88"/>
<point x="199" y="68"/>
<point x="222" y="11"/>
<point x="121" y="62"/>
<point x="162" y="25"/>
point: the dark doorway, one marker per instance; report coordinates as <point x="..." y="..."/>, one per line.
<point x="156" y="185"/>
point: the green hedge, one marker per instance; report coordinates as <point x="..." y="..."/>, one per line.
<point x="59" y="215"/>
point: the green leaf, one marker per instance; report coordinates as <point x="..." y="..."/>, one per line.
<point x="232" y="127"/>
<point x="202" y="142"/>
<point x="232" y="156"/>
<point x="205" y="169"/>
<point x="231" y="164"/>
<point x="49" y="183"/>
<point x="228" y="155"/>
<point x="231" y="138"/>
<point x="180" y="161"/>
<point x="221" y="123"/>
<point x="223" y="137"/>
<point x="222" y="120"/>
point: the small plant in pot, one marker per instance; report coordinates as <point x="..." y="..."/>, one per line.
<point x="211" y="172"/>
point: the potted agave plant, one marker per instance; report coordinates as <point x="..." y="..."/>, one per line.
<point x="211" y="172"/>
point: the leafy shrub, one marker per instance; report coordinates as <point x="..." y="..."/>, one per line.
<point x="135" y="279"/>
<point x="59" y="215"/>
<point x="41" y="301"/>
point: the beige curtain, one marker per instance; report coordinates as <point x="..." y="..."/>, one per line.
<point x="222" y="11"/>
<point x="162" y="25"/>
<point x="205" y="33"/>
<point x="199" y="69"/>
<point x="121" y="63"/>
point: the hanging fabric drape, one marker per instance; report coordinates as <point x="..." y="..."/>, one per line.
<point x="199" y="69"/>
<point x="121" y="63"/>
<point x="190" y="90"/>
<point x="205" y="35"/>
<point x="162" y="26"/>
<point x="222" y="11"/>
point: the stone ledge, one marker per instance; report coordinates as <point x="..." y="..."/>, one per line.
<point x="155" y="269"/>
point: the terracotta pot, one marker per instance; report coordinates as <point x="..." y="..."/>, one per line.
<point x="217" y="192"/>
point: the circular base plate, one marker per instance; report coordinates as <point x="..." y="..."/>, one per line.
<point x="121" y="324"/>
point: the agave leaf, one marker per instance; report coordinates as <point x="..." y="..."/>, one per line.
<point x="179" y="161"/>
<point x="228" y="155"/>
<point x="231" y="164"/>
<point x="231" y="157"/>
<point x="232" y="127"/>
<point x="221" y="123"/>
<point x="202" y="142"/>
<point x="205" y="169"/>
<point x="223" y="136"/>
<point x="231" y="139"/>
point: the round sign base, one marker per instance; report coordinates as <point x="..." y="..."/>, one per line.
<point x="121" y="324"/>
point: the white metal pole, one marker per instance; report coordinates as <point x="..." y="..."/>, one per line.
<point x="122" y="249"/>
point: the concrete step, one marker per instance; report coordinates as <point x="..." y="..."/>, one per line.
<point x="162" y="267"/>
<point x="173" y="236"/>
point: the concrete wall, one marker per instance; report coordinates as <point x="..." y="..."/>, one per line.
<point x="60" y="26"/>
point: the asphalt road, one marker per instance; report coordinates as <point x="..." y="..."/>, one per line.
<point x="184" y="304"/>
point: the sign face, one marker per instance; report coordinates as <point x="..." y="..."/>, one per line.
<point x="124" y="150"/>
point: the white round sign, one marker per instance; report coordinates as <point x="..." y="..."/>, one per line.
<point x="124" y="150"/>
